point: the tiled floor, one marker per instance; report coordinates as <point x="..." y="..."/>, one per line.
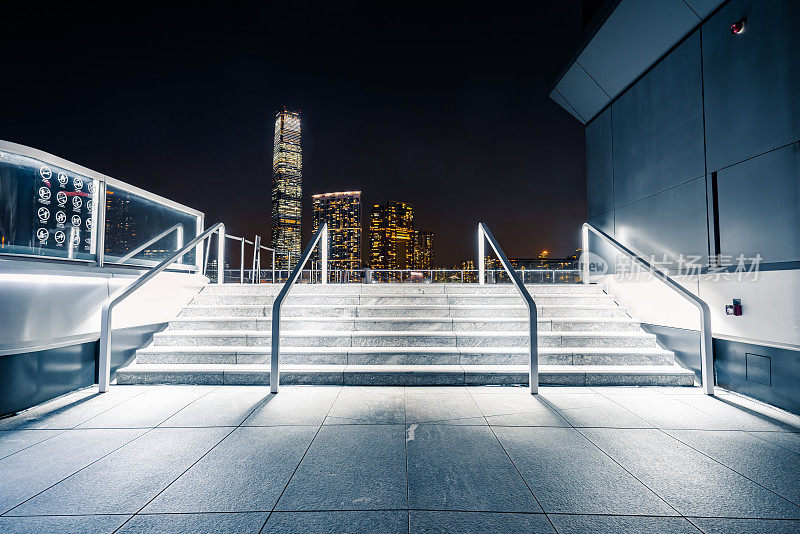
<point x="394" y="459"/>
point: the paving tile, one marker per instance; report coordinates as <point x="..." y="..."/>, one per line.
<point x="247" y="471"/>
<point x="365" y="404"/>
<point x="226" y="406"/>
<point x="195" y="523"/>
<point x="741" y="416"/>
<point x="518" y="410"/>
<point x="127" y="479"/>
<point x="691" y="482"/>
<point x="12" y="441"/>
<point x="352" y="522"/>
<point x="666" y="412"/>
<point x="350" y="467"/>
<point x="148" y="409"/>
<point x="478" y="522"/>
<point x="787" y="440"/>
<point x="59" y="524"/>
<point x="463" y="468"/>
<point x="611" y="416"/>
<point x="453" y="406"/>
<point x="295" y="405"/>
<point x="568" y="474"/>
<point x="750" y="526"/>
<point x="569" y="401"/>
<point x="70" y="410"/>
<point x="606" y="524"/>
<point x="34" y="469"/>
<point x="758" y="460"/>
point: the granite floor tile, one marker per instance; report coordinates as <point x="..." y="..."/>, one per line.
<point x="773" y="467"/>
<point x="226" y="406"/>
<point x="59" y="524"/>
<point x="452" y="406"/>
<point x="295" y="405"/>
<point x="350" y="522"/>
<point x="518" y="410"/>
<point x="463" y="468"/>
<point x="568" y="474"/>
<point x="478" y="522"/>
<point x="740" y="416"/>
<point x="691" y="482"/>
<point x="127" y="479"/>
<point x="350" y="467"/>
<point x="786" y="440"/>
<point x="247" y="471"/>
<point x="746" y="526"/>
<point x="610" y="416"/>
<point x="248" y="523"/>
<point x="36" y="468"/>
<point x="12" y="441"/>
<point x="605" y="524"/>
<point x="368" y="404"/>
<point x="149" y="409"/>
<point x="670" y="413"/>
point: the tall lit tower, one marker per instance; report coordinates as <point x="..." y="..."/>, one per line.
<point x="287" y="186"/>
<point x="391" y="236"/>
<point x="342" y="212"/>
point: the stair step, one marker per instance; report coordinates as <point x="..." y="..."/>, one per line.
<point x="407" y="300"/>
<point x="408" y="375"/>
<point x="367" y="289"/>
<point x="230" y="354"/>
<point x="401" y="323"/>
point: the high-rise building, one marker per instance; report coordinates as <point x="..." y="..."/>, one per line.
<point x="391" y="236"/>
<point x="423" y="249"/>
<point x="287" y="187"/>
<point x="342" y="212"/>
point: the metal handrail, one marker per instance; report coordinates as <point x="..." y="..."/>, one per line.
<point x="322" y="234"/>
<point x="108" y="306"/>
<point x="484" y="234"/>
<point x="174" y="227"/>
<point x="706" y="340"/>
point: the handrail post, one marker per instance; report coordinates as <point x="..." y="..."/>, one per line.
<point x="585" y="247"/>
<point x="221" y="255"/>
<point x="324" y="273"/>
<point x="481" y="253"/>
<point x="533" y="334"/>
<point x="104" y="356"/>
<point x="706" y="335"/>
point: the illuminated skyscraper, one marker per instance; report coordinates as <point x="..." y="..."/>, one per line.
<point x="391" y="236"/>
<point x="287" y="186"/>
<point x="342" y="212"/>
<point x="423" y="249"/>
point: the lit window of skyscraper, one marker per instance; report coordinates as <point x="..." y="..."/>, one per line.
<point x="287" y="186"/>
<point x="423" y="249"/>
<point x="342" y="212"/>
<point x="391" y="236"/>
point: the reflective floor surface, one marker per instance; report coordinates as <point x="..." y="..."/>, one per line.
<point x="394" y="459"/>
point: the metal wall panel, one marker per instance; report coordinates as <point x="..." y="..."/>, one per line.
<point x="636" y="34"/>
<point x="658" y="127"/>
<point x="672" y="222"/>
<point x="599" y="165"/>
<point x="582" y="92"/>
<point x="759" y="206"/>
<point x="752" y="80"/>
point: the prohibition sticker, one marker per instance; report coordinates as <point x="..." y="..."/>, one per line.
<point x="44" y="193"/>
<point x="42" y="234"/>
<point x="61" y="198"/>
<point x="43" y="213"/>
<point x="76" y="202"/>
<point x="61" y="217"/>
<point x="76" y="220"/>
<point x="45" y="172"/>
<point x="62" y="179"/>
<point x="59" y="237"/>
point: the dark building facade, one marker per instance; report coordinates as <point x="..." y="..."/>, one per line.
<point x="692" y="114"/>
<point x="342" y="212"/>
<point x="391" y="236"/>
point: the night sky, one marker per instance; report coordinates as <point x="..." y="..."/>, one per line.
<point x="441" y="105"/>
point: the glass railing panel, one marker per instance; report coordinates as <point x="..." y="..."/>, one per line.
<point x="46" y="210"/>
<point x="132" y="220"/>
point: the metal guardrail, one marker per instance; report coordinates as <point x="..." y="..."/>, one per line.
<point x="484" y="234"/>
<point x="706" y="340"/>
<point x="110" y="303"/>
<point x="177" y="228"/>
<point x="321" y="235"/>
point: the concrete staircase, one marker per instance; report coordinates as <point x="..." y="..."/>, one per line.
<point x="387" y="334"/>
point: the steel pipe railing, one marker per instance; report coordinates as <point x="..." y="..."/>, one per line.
<point x="320" y="237"/>
<point x="104" y="378"/>
<point x="706" y="339"/>
<point x="484" y="234"/>
<point x="177" y="228"/>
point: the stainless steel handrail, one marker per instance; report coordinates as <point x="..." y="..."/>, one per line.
<point x="484" y="234"/>
<point x="174" y="227"/>
<point x="322" y="234"/>
<point x="104" y="378"/>
<point x="706" y="340"/>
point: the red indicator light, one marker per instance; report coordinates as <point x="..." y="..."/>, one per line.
<point x="738" y="27"/>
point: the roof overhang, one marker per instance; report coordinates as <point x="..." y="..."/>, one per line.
<point x="623" y="41"/>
